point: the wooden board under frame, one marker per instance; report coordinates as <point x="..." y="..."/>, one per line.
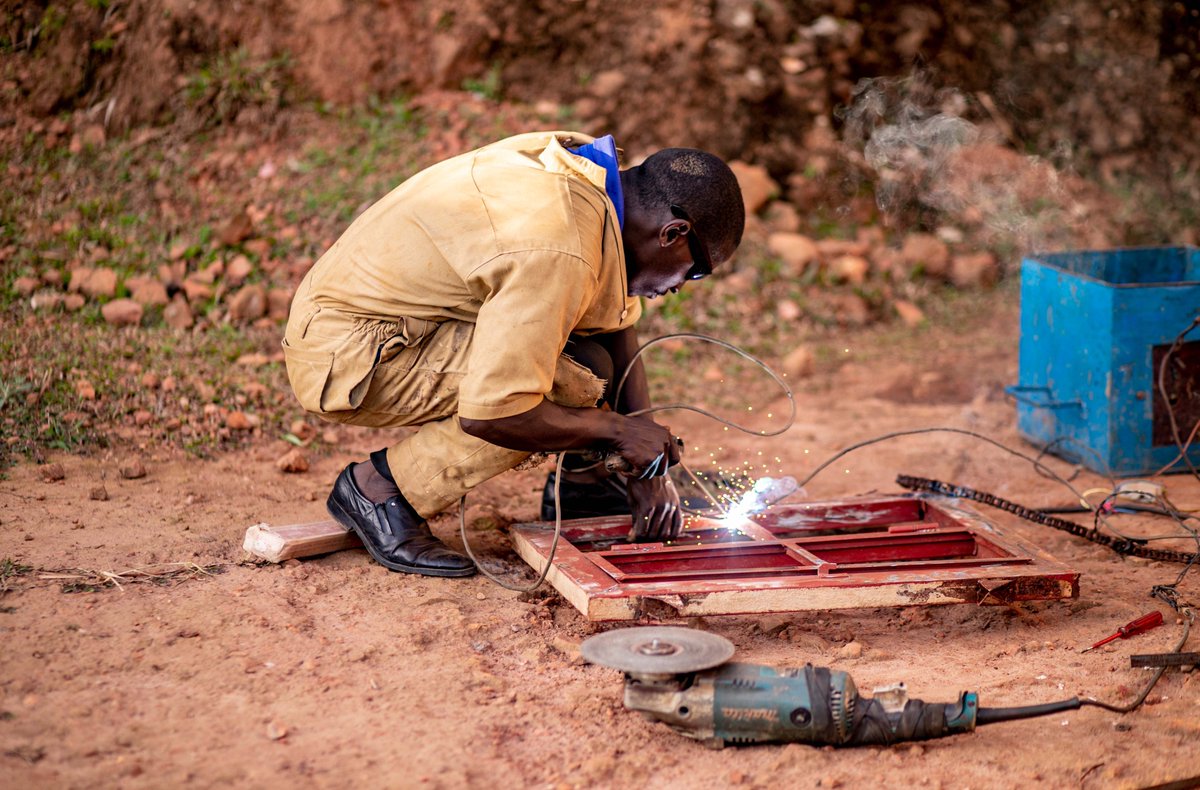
<point x="900" y="550"/>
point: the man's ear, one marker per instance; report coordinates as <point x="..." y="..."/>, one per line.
<point x="673" y="231"/>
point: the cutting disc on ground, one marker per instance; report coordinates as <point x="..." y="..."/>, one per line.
<point x="658" y="650"/>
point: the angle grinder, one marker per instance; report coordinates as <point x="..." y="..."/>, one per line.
<point x="683" y="678"/>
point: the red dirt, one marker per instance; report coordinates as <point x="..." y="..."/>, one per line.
<point x="334" y="672"/>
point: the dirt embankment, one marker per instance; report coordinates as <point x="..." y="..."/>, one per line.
<point x="1110" y="87"/>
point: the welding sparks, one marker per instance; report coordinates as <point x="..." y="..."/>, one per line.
<point x="765" y="492"/>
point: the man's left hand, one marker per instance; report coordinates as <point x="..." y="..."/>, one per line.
<point x="657" y="515"/>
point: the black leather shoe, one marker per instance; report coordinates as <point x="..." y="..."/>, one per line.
<point x="585" y="500"/>
<point x="390" y="533"/>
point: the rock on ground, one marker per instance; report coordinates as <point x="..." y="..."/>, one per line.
<point x="757" y="185"/>
<point x="122" y="312"/>
<point x="294" y="461"/>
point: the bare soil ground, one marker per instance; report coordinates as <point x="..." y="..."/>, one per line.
<point x="333" y="672"/>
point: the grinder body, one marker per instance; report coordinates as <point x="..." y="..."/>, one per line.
<point x="747" y="703"/>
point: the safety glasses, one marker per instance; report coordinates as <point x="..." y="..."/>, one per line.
<point x="701" y="263"/>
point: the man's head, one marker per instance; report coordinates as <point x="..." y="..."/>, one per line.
<point x="683" y="216"/>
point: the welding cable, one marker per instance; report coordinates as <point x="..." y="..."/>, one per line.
<point x="462" y="533"/>
<point x="787" y="392"/>
<point x="1042" y="469"/>
<point x="1048" y="448"/>
<point x="962" y="431"/>
<point x="1170" y="409"/>
<point x="1182" y="451"/>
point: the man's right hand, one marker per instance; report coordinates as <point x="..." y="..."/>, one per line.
<point x="643" y="442"/>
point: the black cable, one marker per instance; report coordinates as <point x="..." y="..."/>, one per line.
<point x="993" y="715"/>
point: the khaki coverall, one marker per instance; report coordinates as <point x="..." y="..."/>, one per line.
<point x="454" y="295"/>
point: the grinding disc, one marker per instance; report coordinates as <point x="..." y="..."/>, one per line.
<point x="657" y="650"/>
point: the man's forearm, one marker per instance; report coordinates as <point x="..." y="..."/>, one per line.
<point x="549" y="427"/>
<point x="621" y="346"/>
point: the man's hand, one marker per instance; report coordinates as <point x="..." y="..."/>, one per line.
<point x="644" y="443"/>
<point x="657" y="515"/>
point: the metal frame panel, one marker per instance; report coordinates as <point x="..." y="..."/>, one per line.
<point x="860" y="552"/>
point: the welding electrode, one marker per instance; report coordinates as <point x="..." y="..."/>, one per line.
<point x="1138" y="626"/>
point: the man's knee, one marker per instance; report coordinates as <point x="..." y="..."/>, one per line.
<point x="592" y="356"/>
<point x="583" y="376"/>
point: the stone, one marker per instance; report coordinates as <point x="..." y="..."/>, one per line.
<point x="46" y="300"/>
<point x="51" y="473"/>
<point x="757" y="185"/>
<point x="852" y="309"/>
<point x="98" y="494"/>
<point x="238" y="421"/>
<point x="294" y="461"/>
<point x="831" y="248"/>
<point x="976" y="270"/>
<point x="52" y="277"/>
<point x="607" y="84"/>
<point x="909" y="313"/>
<point x="133" y="469"/>
<point x="800" y="362"/>
<point x="122" y="312"/>
<point x="782" y="217"/>
<point x="25" y="286"/>
<point x="851" y="650"/>
<point x="142" y="417"/>
<point x="247" y="304"/>
<point x="279" y="303"/>
<point x="149" y="292"/>
<point x="927" y="252"/>
<point x="100" y="283"/>
<point x="851" y="269"/>
<point x="258" y="247"/>
<point x="74" y="302"/>
<point x="787" y="310"/>
<point x="795" y="250"/>
<point x="178" y="314"/>
<point x="85" y="390"/>
<point x="237" y="230"/>
<point x="78" y="276"/>
<point x="195" y="290"/>
<point x="238" y="270"/>
<point x="303" y="431"/>
<point x="773" y="624"/>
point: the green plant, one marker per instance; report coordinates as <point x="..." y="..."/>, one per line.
<point x="10" y="569"/>
<point x="232" y="82"/>
<point x="485" y="87"/>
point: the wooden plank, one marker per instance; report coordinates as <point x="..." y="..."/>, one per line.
<point x="276" y="544"/>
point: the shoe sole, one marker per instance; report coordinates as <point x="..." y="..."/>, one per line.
<point x="343" y="518"/>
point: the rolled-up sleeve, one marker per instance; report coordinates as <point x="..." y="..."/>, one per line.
<point x="531" y="302"/>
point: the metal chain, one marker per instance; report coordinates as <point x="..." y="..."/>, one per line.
<point x="1120" y="545"/>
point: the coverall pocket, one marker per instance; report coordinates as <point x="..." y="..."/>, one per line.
<point x="330" y="381"/>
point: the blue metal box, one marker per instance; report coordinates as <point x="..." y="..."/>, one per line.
<point x="1094" y="329"/>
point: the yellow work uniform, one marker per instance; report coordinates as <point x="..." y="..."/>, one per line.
<point x="454" y="296"/>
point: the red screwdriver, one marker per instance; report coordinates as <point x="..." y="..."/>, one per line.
<point x="1138" y="626"/>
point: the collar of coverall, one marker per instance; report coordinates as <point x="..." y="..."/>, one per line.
<point x="603" y="151"/>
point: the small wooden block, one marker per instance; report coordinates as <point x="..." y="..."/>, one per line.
<point x="276" y="544"/>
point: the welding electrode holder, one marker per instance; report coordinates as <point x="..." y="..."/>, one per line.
<point x="616" y="463"/>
